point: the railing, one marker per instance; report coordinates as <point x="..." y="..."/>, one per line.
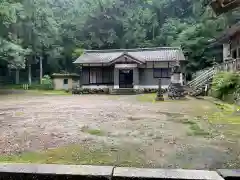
<point x="229" y="66"/>
<point x="208" y="73"/>
<point x="202" y="77"/>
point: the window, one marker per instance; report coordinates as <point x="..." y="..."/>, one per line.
<point x="95" y="75"/>
<point x="85" y="76"/>
<point x="107" y="76"/>
<point x="65" y="81"/>
<point x="162" y="72"/>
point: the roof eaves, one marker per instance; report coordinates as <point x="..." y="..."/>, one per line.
<point x="79" y="58"/>
<point x="228" y="33"/>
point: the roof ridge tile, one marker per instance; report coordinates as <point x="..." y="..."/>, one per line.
<point x="131" y="50"/>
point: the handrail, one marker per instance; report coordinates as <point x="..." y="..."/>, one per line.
<point x="203" y="81"/>
<point x="208" y="73"/>
<point x="201" y="76"/>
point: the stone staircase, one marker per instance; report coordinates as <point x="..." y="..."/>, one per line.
<point x="204" y="78"/>
<point x="197" y="86"/>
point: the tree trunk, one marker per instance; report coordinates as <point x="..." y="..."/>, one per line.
<point x="17" y="76"/>
<point x="153" y="28"/>
<point x="41" y="70"/>
<point x="29" y="75"/>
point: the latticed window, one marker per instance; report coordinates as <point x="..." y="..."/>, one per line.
<point x="162" y="72"/>
<point x="95" y="75"/>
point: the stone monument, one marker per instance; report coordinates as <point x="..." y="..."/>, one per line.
<point x="176" y="89"/>
<point x="159" y="92"/>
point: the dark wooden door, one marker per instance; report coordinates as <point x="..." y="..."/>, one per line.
<point x="126" y="78"/>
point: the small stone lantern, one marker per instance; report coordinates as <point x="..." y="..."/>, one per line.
<point x="176" y="89"/>
<point x="176" y="73"/>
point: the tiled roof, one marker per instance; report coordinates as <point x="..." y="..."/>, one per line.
<point x="229" y="32"/>
<point x="145" y="54"/>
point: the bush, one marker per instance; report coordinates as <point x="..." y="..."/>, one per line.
<point x="149" y="90"/>
<point x="91" y="91"/>
<point x="225" y="83"/>
<point x="47" y="84"/>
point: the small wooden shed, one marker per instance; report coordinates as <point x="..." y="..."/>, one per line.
<point x="65" y="81"/>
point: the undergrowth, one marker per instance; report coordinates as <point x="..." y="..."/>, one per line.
<point x="226" y="86"/>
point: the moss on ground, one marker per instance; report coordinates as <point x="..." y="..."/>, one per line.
<point x="76" y="154"/>
<point x="48" y="92"/>
<point x="96" y="132"/>
<point x="147" y="97"/>
<point x="196" y="130"/>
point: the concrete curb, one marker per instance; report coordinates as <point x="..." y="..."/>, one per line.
<point x="52" y="171"/>
<point x="229" y="174"/>
<point x="122" y="173"/>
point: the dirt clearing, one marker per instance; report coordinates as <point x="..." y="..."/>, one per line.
<point x="123" y="130"/>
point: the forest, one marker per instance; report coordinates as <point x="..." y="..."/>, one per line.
<point x="48" y="35"/>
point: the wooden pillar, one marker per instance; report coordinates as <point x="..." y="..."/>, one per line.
<point x="136" y="78"/>
<point x="116" y="78"/>
<point x="81" y="76"/>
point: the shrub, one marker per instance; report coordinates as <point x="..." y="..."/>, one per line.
<point x="47" y="84"/>
<point x="225" y="83"/>
<point x="91" y="91"/>
<point x="149" y="90"/>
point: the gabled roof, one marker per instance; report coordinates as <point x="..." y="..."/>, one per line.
<point x="128" y="57"/>
<point x="141" y="54"/>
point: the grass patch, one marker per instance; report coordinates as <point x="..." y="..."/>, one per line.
<point x="196" y="130"/>
<point x="152" y="96"/>
<point x="226" y="114"/>
<point x="187" y="121"/>
<point x="147" y="97"/>
<point x="95" y="132"/>
<point x="76" y="154"/>
<point x="172" y="115"/>
<point x="48" y="92"/>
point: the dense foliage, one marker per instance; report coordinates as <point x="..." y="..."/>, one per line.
<point x="53" y="32"/>
<point x="225" y="85"/>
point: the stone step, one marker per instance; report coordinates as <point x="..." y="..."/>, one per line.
<point x="123" y="91"/>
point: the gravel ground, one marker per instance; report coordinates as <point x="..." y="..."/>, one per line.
<point x="32" y="123"/>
